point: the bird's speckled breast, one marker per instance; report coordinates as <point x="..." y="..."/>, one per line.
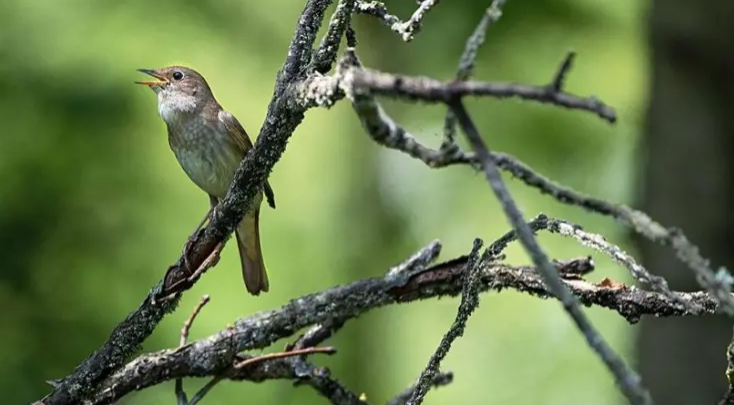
<point x="205" y="152"/>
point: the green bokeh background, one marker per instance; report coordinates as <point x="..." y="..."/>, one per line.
<point x="94" y="206"/>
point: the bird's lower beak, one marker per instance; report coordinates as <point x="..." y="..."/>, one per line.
<point x="161" y="79"/>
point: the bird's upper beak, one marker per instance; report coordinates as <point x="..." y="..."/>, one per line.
<point x="161" y="79"/>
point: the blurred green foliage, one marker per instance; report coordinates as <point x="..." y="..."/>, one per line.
<point x="94" y="206"/>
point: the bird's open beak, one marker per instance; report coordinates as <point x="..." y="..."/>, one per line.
<point x="161" y="79"/>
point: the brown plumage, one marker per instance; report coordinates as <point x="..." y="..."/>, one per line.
<point x="209" y="144"/>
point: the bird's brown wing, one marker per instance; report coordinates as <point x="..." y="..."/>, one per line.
<point x="242" y="140"/>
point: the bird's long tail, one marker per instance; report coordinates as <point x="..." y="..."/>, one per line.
<point x="251" y="258"/>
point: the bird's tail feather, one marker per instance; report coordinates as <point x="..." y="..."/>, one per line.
<point x="251" y="258"/>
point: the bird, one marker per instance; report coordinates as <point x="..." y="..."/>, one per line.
<point x="209" y="144"/>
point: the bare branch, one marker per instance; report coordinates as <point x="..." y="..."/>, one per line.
<point x="319" y="333"/>
<point x="560" y="79"/>
<point x="439" y="380"/>
<point x="180" y="394"/>
<point x="626" y="378"/>
<point x="359" y="84"/>
<point x="408" y="29"/>
<point x="211" y="355"/>
<point x="419" y="260"/>
<point x="431" y="90"/>
<point x="378" y="10"/>
<point x="383" y="130"/>
<point x="469" y="302"/>
<point x="598" y="242"/>
<point x="290" y="353"/>
<point x="414" y="24"/>
<point x="686" y="251"/>
<point x="326" y="54"/>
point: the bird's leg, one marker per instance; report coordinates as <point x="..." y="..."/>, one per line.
<point x="190" y="241"/>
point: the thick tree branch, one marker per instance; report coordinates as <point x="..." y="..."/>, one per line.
<point x="211" y="355"/>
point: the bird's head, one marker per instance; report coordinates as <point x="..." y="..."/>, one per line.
<point x="180" y="90"/>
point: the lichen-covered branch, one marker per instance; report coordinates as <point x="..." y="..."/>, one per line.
<point x="626" y="378"/>
<point x="469" y="303"/>
<point x="211" y="355"/>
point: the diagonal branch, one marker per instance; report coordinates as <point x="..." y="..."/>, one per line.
<point x="626" y="378"/>
<point x="466" y="65"/>
<point x="439" y="380"/>
<point x="281" y="121"/>
<point x="469" y="302"/>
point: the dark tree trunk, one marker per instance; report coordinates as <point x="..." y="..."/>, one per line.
<point x="688" y="182"/>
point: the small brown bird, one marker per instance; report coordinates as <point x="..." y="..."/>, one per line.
<point x="210" y="143"/>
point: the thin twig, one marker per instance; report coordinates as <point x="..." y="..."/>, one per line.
<point x="596" y="241"/>
<point x="466" y="65"/>
<point x="318" y="334"/>
<point x="419" y="259"/>
<point x="439" y="380"/>
<point x="538" y="223"/>
<point x="205" y="390"/>
<point x="378" y="10"/>
<point x="469" y="302"/>
<point x="414" y="24"/>
<point x="280" y="355"/>
<point x="625" y="377"/>
<point x="559" y="80"/>
<point x="325" y="56"/>
<point x="180" y="393"/>
<point x="408" y="29"/>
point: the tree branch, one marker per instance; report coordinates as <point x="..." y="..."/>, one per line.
<point x="469" y="302"/>
<point x="211" y="355"/>
<point x="625" y="377"/>
<point x="360" y="84"/>
<point x="466" y="66"/>
<point x="439" y="380"/>
<point x="408" y="29"/>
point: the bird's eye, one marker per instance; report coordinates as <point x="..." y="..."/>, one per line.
<point x="178" y="75"/>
